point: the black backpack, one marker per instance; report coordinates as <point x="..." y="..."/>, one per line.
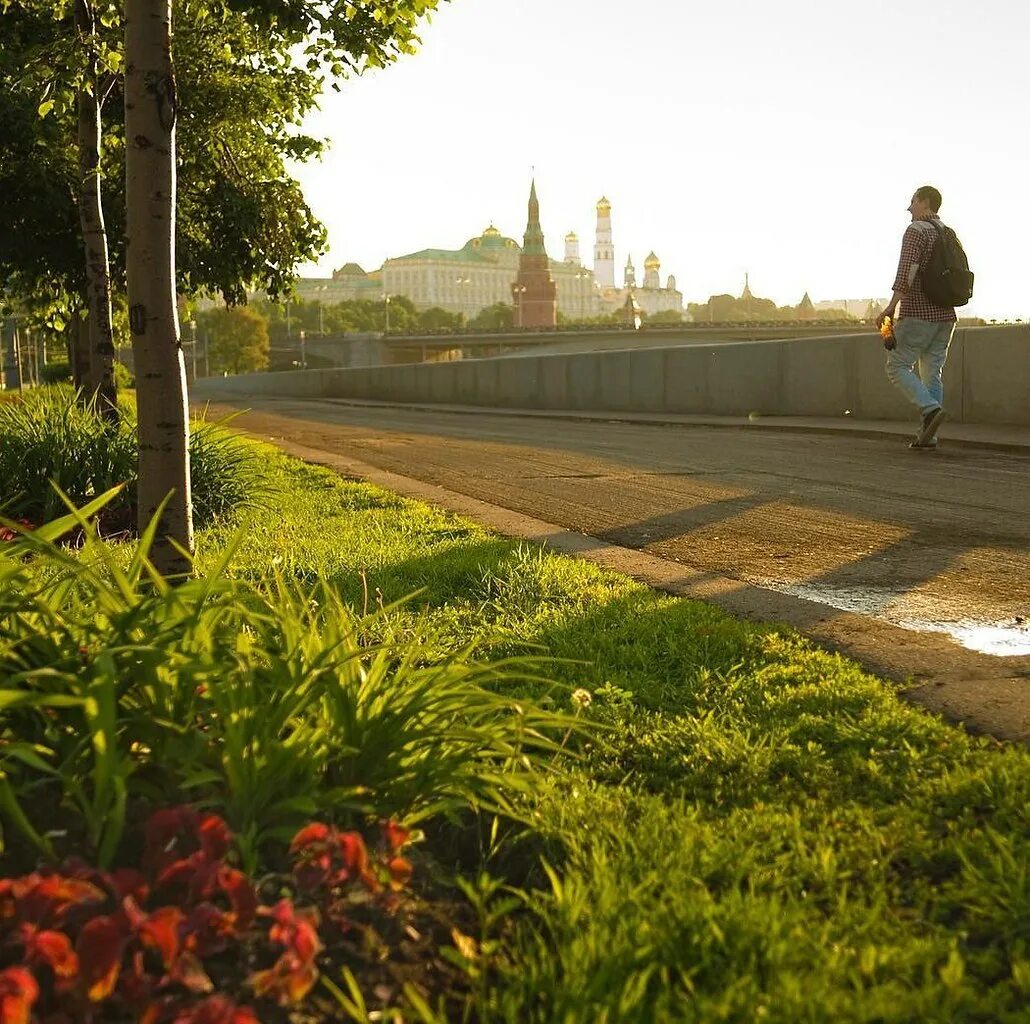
<point x="946" y="277"/>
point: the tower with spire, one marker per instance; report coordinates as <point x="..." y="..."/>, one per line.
<point x="534" y="293"/>
<point x="629" y="275"/>
<point x="604" y="252"/>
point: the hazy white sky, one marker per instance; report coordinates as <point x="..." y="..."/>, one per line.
<point x="782" y="139"/>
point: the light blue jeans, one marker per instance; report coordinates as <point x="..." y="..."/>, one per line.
<point x="923" y="344"/>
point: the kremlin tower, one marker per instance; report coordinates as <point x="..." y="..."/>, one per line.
<point x="604" y="253"/>
<point x="651" y="267"/>
<point x="572" y="248"/>
<point x="534" y="293"/>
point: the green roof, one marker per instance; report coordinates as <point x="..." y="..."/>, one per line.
<point x="480" y="249"/>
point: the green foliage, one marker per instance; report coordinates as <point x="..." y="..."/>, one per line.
<point x="59" y="371"/>
<point x="241" y="221"/>
<point x="237" y="339"/>
<point x="48" y="438"/>
<point x="762" y="832"/>
<point x="499" y="315"/>
<point x="757" y="829"/>
<point x="437" y="319"/>
<point x="268" y="700"/>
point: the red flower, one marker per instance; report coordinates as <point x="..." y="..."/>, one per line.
<point x="18" y="991"/>
<point x="395" y="836"/>
<point x="400" y="872"/>
<point x="100" y="947"/>
<point x="44" y="900"/>
<point x="216" y="1010"/>
<point x="326" y="857"/>
<point x="174" y="834"/>
<point x="291" y="977"/>
<point x="160" y="930"/>
<point x="51" y="948"/>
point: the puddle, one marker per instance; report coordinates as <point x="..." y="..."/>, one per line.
<point x="1006" y="638"/>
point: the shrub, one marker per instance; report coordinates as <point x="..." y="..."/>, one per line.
<point x="56" y="372"/>
<point x="49" y="438"/>
<point x="269" y="702"/>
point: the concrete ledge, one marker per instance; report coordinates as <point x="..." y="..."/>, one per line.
<point x="987" y="380"/>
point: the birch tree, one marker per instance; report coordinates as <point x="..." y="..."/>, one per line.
<point x="91" y="94"/>
<point x="151" y="107"/>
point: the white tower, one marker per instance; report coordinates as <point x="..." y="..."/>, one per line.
<point x="604" y="252"/>
<point x="572" y="248"/>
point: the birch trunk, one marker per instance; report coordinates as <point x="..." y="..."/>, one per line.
<point x="94" y="231"/>
<point x="78" y="354"/>
<point x="150" y="108"/>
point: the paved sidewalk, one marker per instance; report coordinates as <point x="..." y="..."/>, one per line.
<point x="1000" y="437"/>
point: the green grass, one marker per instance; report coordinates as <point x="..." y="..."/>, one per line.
<point x="51" y="443"/>
<point x="761" y="831"/>
<point x="766" y="832"/>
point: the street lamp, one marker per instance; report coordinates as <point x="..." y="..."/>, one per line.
<point x="193" y="346"/>
<point x="386" y="306"/>
<point x="461" y="301"/>
<point x="517" y="291"/>
<point x="321" y="318"/>
<point x="303" y="352"/>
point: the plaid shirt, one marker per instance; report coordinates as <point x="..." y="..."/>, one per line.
<point x="915" y="251"/>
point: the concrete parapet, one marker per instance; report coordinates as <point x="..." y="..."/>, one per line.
<point x="987" y="380"/>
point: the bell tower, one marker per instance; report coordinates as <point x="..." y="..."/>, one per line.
<point x="604" y="252"/>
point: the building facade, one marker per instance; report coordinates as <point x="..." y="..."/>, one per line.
<point x="483" y="271"/>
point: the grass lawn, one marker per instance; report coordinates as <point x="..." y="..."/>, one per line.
<point x="703" y="819"/>
<point x="761" y="831"/>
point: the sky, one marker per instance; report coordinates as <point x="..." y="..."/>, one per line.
<point x="783" y="140"/>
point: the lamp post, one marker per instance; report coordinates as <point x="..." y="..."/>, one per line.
<point x="193" y="346"/>
<point x="461" y="282"/>
<point x="303" y="351"/>
<point x="517" y="291"/>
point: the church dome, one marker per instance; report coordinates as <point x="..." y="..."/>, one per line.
<point x="572" y="237"/>
<point x="652" y="262"/>
<point x="603" y="206"/>
<point x="490" y="241"/>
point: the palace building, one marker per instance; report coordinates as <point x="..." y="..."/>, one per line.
<point x="485" y="271"/>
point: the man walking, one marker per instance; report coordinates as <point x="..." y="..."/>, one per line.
<point x="922" y="329"/>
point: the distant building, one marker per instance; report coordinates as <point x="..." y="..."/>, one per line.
<point x="534" y="293"/>
<point x="864" y="309"/>
<point x="482" y="272"/>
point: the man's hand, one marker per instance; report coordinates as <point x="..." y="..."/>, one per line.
<point x="883" y="314"/>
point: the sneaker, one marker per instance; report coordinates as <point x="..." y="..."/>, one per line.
<point x="932" y="419"/>
<point x="932" y="443"/>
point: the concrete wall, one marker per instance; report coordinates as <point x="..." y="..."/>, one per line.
<point x="987" y="380"/>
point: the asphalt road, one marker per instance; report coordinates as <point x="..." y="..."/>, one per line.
<point x="934" y="541"/>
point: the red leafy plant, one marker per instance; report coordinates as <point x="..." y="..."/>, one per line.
<point x="7" y="534"/>
<point x="78" y="942"/>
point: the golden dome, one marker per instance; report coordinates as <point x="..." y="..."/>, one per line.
<point x="652" y="262"/>
<point x="572" y="237"/>
<point x="491" y="232"/>
<point x="603" y="205"/>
